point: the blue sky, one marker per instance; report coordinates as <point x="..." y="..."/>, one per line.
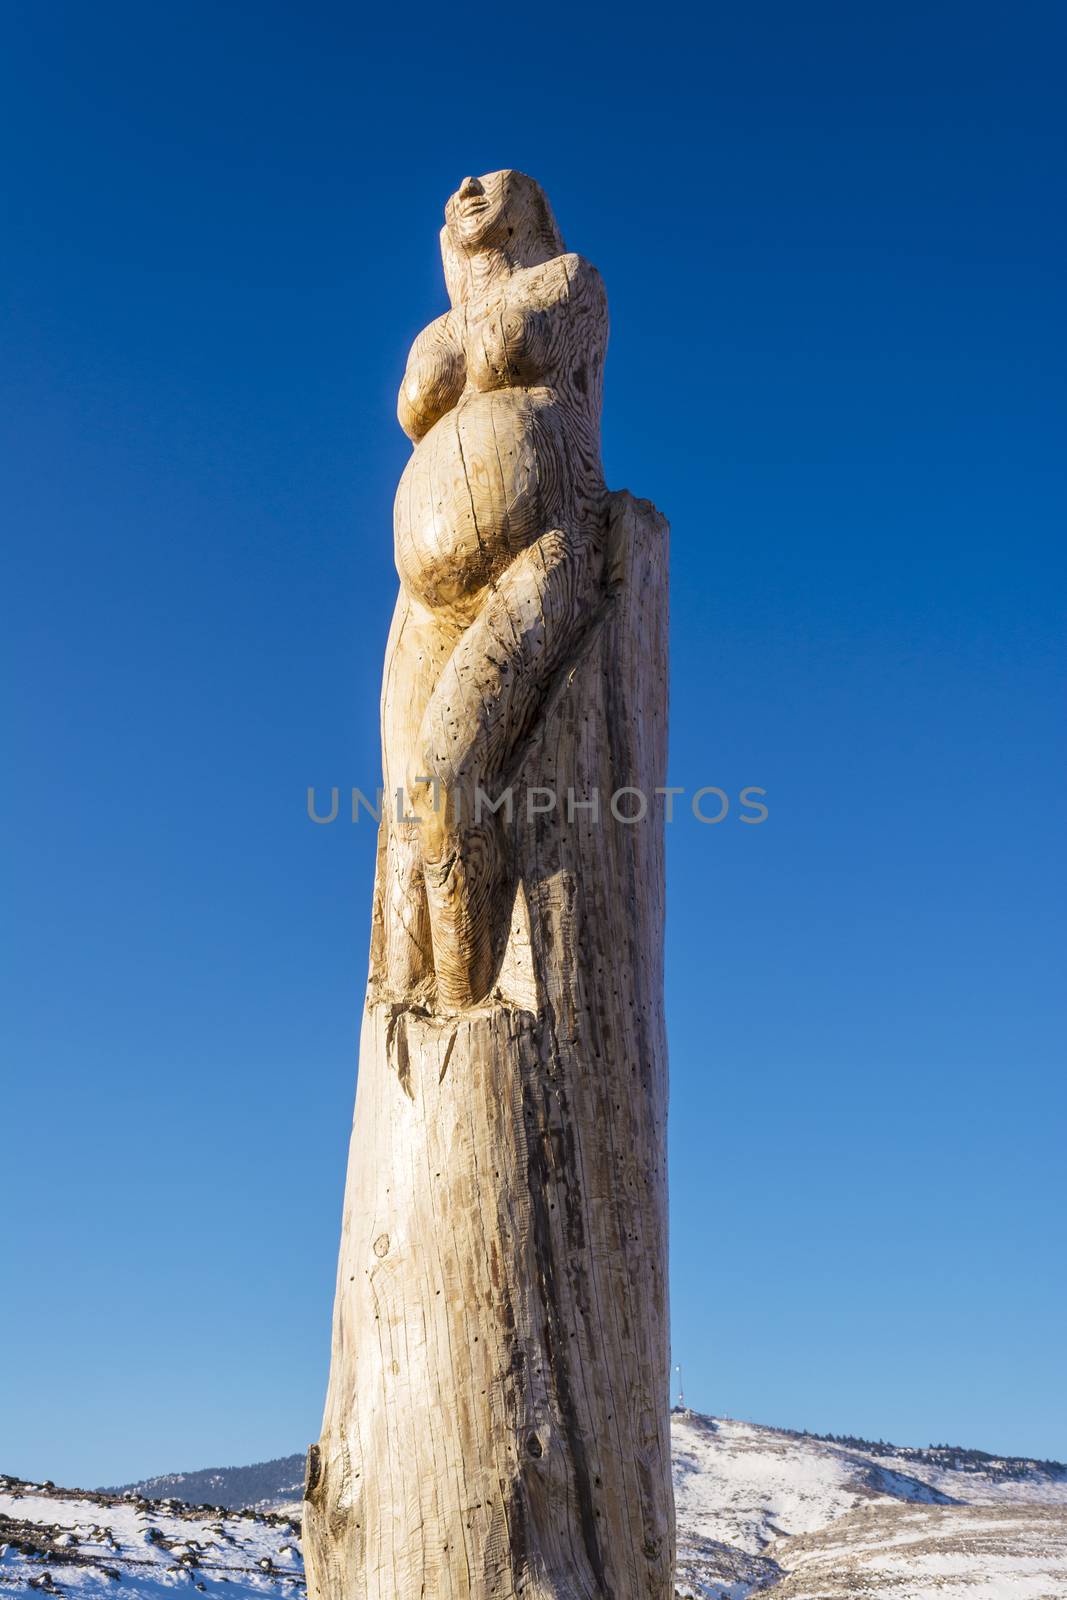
<point x="834" y="254"/>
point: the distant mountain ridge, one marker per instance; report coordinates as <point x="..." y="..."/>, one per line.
<point x="260" y="1487"/>
<point x="961" y="1458"/>
<point x="266" y="1485"/>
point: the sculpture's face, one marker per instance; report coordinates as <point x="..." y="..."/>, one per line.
<point x="478" y="215"/>
<point x="500" y="211"/>
<point x="496" y="208"/>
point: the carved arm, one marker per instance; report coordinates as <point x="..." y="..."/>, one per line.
<point x="434" y="379"/>
<point x="496" y="684"/>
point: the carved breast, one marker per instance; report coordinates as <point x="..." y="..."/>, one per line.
<point x="509" y="344"/>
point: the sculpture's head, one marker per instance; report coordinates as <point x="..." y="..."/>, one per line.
<point x="500" y="211"/>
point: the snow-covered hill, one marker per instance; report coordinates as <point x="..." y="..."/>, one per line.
<point x="760" y="1510"/>
<point x="752" y="1501"/>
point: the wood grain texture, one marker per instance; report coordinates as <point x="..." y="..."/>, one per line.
<point x="497" y="1417"/>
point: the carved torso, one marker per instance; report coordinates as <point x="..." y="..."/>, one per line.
<point x="502" y="397"/>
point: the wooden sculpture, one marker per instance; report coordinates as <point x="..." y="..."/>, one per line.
<point x="497" y="1418"/>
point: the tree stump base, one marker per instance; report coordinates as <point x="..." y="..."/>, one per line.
<point x="497" y="1422"/>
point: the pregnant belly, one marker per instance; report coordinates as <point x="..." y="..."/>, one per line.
<point x="484" y="483"/>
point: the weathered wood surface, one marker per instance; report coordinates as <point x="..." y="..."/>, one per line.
<point x="497" y="1418"/>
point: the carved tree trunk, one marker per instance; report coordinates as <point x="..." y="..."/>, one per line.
<point x="497" y="1421"/>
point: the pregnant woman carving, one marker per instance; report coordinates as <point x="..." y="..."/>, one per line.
<point x="500" y="526"/>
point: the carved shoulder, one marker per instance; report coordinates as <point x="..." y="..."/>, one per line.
<point x="586" y="302"/>
<point x="567" y="280"/>
<point x="584" y="281"/>
<point x="434" y="378"/>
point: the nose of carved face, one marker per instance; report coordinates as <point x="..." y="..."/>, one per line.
<point x="470" y="187"/>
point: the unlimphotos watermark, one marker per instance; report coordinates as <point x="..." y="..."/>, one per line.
<point x="708" y="804"/>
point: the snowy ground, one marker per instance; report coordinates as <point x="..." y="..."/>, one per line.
<point x="73" y="1543"/>
<point x="760" y="1512"/>
<point x="998" y="1552"/>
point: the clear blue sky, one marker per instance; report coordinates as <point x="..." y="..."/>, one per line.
<point x="832" y="239"/>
